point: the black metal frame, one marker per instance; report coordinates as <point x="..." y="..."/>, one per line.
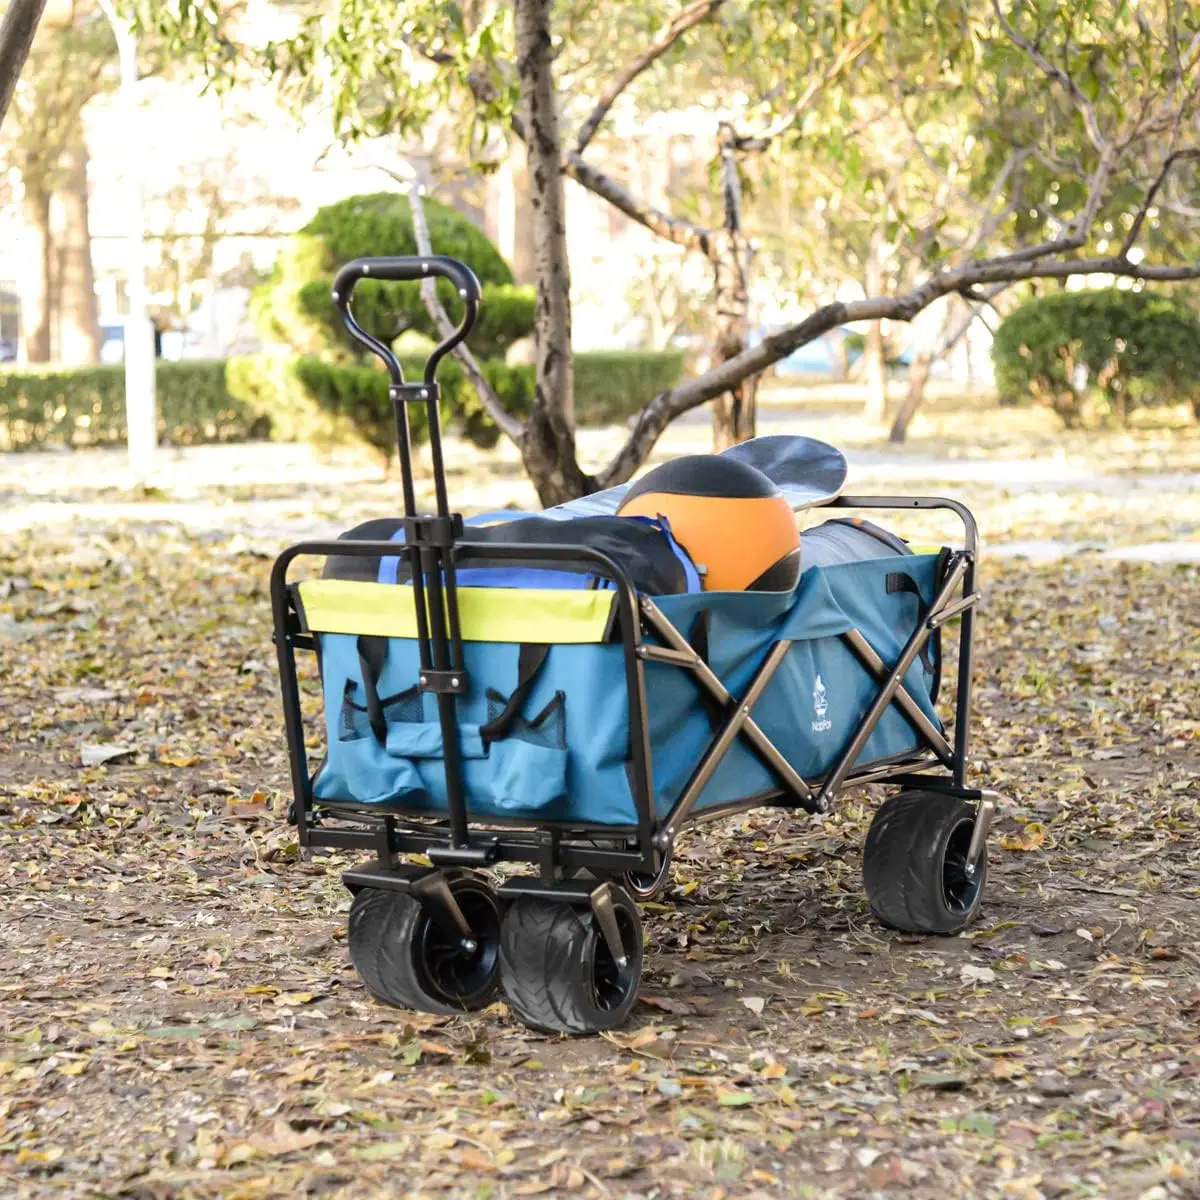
<point x="434" y="546"/>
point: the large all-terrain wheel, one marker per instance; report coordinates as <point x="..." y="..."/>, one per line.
<point x="407" y="959"/>
<point x="558" y="972"/>
<point x="915" y="863"/>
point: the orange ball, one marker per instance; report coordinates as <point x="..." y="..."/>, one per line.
<point x="730" y="518"/>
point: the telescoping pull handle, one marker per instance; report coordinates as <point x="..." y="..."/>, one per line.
<point x="407" y="269"/>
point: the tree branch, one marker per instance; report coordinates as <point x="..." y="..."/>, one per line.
<point x="667" y="406"/>
<point x="507" y="423"/>
<point x="952" y="334"/>
<point x="685" y="19"/>
<point x="990" y="220"/>
<point x="1148" y="200"/>
<point x="673" y="229"/>
<point x="1086" y="108"/>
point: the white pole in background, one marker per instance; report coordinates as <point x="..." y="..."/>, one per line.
<point x="141" y="418"/>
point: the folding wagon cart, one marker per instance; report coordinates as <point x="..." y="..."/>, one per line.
<point x="473" y="721"/>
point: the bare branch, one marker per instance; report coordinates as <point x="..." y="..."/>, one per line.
<point x="952" y="334"/>
<point x="990" y="219"/>
<point x="1086" y="108"/>
<point x="507" y="423"/>
<point x="673" y="229"/>
<point x="685" y="19"/>
<point x="667" y="406"/>
<point x="731" y="180"/>
<point x="1152" y="191"/>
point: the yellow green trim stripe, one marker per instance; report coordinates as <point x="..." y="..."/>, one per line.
<point x="548" y="615"/>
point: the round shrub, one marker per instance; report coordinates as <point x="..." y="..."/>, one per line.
<point x="1113" y="348"/>
<point x="294" y="305"/>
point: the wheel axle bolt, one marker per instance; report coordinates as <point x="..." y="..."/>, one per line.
<point x="470" y="945"/>
<point x="622" y="961"/>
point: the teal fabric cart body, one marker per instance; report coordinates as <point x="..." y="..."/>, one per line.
<point x="565" y="755"/>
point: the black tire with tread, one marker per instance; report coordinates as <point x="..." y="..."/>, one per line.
<point x="913" y="863"/>
<point x="551" y="956"/>
<point x="388" y="932"/>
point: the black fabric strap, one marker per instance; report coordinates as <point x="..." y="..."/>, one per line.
<point x="900" y="581"/>
<point x="372" y="654"/>
<point x="530" y="660"/>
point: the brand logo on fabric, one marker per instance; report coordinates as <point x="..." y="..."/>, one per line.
<point x="820" y="707"/>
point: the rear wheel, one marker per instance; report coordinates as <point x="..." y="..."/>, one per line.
<point x="915" y="863"/>
<point x="407" y="959"/>
<point x="558" y="971"/>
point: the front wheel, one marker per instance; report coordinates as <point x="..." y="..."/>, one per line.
<point x="558" y="971"/>
<point x="407" y="959"/>
<point x="915" y="866"/>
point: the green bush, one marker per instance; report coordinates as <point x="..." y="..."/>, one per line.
<point x="294" y="306"/>
<point x="303" y="398"/>
<point x="358" y="396"/>
<point x="85" y="406"/>
<point x="1116" y="349"/>
<point x="612" y="385"/>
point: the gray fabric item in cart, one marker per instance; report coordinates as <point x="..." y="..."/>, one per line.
<point x="844" y="540"/>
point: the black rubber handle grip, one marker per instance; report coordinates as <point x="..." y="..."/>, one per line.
<point x="405" y="269"/>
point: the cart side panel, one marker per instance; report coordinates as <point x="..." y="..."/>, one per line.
<point x="820" y="692"/>
<point x="565" y="755"/>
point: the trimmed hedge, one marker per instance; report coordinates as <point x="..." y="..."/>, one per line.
<point x="303" y="398"/>
<point x="358" y="396"/>
<point x="1110" y="348"/>
<point x="85" y="406"/>
<point x="612" y="385"/>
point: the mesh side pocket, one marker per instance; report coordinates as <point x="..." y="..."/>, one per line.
<point x="407" y="707"/>
<point x="352" y="719"/>
<point x="547" y="729"/>
<point x="404" y="708"/>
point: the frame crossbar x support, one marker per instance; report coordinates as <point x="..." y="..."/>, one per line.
<point x="911" y="709"/>
<point x="890" y="687"/>
<point x="734" y="725"/>
<point x="682" y="654"/>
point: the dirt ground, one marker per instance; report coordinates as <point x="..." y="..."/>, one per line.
<point x="178" y="1016"/>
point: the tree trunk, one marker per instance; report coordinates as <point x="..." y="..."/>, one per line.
<point x="524" y="267"/>
<point x="875" y="365"/>
<point x="733" y="414"/>
<point x="38" y="289"/>
<point x="841" y="358"/>
<point x="875" y="345"/>
<point x="548" y="448"/>
<point x="918" y="376"/>
<point x="78" y="318"/>
<point x="20" y="23"/>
